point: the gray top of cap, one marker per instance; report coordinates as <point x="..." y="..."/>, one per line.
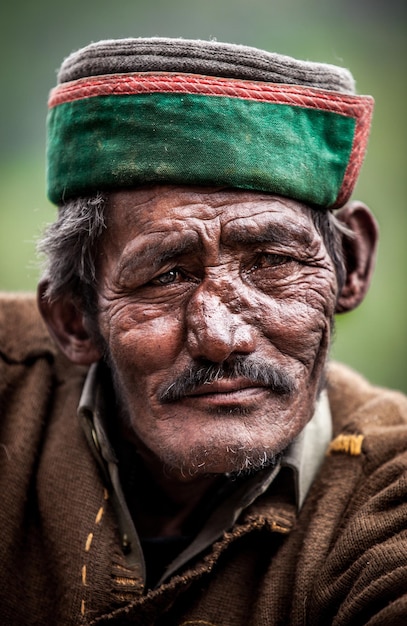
<point x="211" y="58"/>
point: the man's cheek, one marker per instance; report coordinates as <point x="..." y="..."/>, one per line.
<point x="146" y="345"/>
<point x="294" y="327"/>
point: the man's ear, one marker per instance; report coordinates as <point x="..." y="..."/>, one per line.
<point x="359" y="253"/>
<point x="67" y="325"/>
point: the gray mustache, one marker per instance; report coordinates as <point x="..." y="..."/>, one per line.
<point x="255" y="370"/>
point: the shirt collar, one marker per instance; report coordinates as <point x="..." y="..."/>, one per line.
<point x="306" y="452"/>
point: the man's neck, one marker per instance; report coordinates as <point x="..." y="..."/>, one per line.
<point x="163" y="503"/>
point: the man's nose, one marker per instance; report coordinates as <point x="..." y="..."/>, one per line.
<point x="215" y="331"/>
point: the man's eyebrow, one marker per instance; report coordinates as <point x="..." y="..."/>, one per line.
<point x="274" y="233"/>
<point x="157" y="251"/>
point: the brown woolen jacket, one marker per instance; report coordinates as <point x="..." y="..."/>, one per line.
<point x="341" y="561"/>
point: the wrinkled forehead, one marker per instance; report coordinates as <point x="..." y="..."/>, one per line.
<point x="233" y="217"/>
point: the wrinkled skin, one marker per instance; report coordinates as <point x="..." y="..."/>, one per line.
<point x="200" y="275"/>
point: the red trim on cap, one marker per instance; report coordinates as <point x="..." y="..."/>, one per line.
<point x="362" y="130"/>
<point x="164" y="82"/>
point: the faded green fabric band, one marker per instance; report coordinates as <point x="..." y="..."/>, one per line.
<point x="117" y="141"/>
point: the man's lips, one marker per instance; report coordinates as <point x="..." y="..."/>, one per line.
<point x="223" y="386"/>
<point x="226" y="391"/>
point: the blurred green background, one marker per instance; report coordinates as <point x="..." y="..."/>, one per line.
<point x="368" y="36"/>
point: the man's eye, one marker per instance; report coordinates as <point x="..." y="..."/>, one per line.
<point x="168" y="278"/>
<point x="266" y="260"/>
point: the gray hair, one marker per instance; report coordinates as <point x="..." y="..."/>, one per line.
<point x="71" y="245"/>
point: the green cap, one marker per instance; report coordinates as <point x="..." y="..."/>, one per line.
<point x="140" y="111"/>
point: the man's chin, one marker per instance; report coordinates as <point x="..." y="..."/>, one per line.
<point x="233" y="460"/>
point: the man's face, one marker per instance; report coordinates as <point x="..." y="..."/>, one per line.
<point x="216" y="309"/>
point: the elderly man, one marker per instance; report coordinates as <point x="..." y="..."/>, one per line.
<point x="221" y="472"/>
